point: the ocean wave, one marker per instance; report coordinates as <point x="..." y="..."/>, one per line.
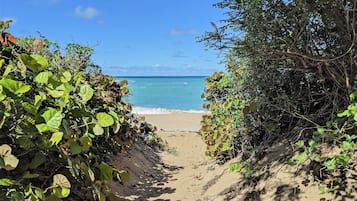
<point x="144" y="110"/>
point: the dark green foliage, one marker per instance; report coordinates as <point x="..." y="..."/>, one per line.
<point x="296" y="68"/>
<point x="60" y="125"/>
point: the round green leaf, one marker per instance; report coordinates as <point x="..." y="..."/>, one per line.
<point x="104" y="119"/>
<point x="61" y="192"/>
<point x="86" y="92"/>
<point x="10" y="162"/>
<point x="106" y="171"/>
<point x="42" y="78"/>
<point x="4" y="150"/>
<point x="98" y="130"/>
<point x="61" y="181"/>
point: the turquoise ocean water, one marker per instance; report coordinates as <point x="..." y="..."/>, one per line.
<point x="155" y="95"/>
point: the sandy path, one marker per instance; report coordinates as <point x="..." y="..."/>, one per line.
<point x="196" y="177"/>
<point x="184" y="172"/>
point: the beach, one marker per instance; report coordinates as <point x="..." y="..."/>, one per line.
<point x="183" y="172"/>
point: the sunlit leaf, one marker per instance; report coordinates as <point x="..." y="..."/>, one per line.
<point x="4" y="150"/>
<point x="104" y="119"/>
<point x="86" y="92"/>
<point x="7" y="182"/>
<point x="61" y="192"/>
<point x="16" y="87"/>
<point x="34" y="62"/>
<point x="66" y="76"/>
<point x="301" y="157"/>
<point x="330" y="164"/>
<point x="52" y="117"/>
<point x="98" y="130"/>
<point x="300" y="143"/>
<point x="10" y="162"/>
<point x="43" y="77"/>
<point x="2" y="61"/>
<point x="56" y="138"/>
<point x="61" y="181"/>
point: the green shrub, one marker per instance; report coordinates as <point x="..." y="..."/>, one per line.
<point x="60" y="124"/>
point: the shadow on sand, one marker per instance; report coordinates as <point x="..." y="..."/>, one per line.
<point x="148" y="174"/>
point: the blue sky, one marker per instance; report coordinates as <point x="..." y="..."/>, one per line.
<point x="130" y="37"/>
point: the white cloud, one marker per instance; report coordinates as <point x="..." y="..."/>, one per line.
<point x="182" y="32"/>
<point x="88" y="13"/>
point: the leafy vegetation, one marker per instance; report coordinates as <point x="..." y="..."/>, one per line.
<point x="61" y="121"/>
<point x="291" y="71"/>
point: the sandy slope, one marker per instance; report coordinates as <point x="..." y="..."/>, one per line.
<point x="185" y="173"/>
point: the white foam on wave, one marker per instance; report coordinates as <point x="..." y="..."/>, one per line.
<point x="144" y="110"/>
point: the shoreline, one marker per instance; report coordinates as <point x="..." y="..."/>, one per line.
<point x="157" y="111"/>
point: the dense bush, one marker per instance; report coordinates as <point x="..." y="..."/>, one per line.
<point x="296" y="62"/>
<point x="61" y="121"/>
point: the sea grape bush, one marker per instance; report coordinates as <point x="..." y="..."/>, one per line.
<point x="60" y="125"/>
<point x="221" y="127"/>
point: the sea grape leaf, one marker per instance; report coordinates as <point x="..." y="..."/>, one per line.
<point x="44" y="128"/>
<point x="29" y="108"/>
<point x="66" y="77"/>
<point x="39" y="193"/>
<point x="114" y="115"/>
<point x="2" y="96"/>
<point x="4" y="150"/>
<point x="29" y="175"/>
<point x="10" y="162"/>
<point x="124" y="176"/>
<point x="87" y="171"/>
<point x="43" y="77"/>
<point x="6" y="182"/>
<point x="52" y="117"/>
<point x="14" y="86"/>
<point x="330" y="164"/>
<point x="106" y="171"/>
<point x="37" y="160"/>
<point x="58" y="92"/>
<point x="75" y="148"/>
<point x="301" y="157"/>
<point x="98" y="130"/>
<point x="86" y="92"/>
<point x="104" y="119"/>
<point x="300" y="143"/>
<point x="56" y="138"/>
<point x="86" y="142"/>
<point x="61" y="181"/>
<point x="61" y="192"/>
<point x="35" y="62"/>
